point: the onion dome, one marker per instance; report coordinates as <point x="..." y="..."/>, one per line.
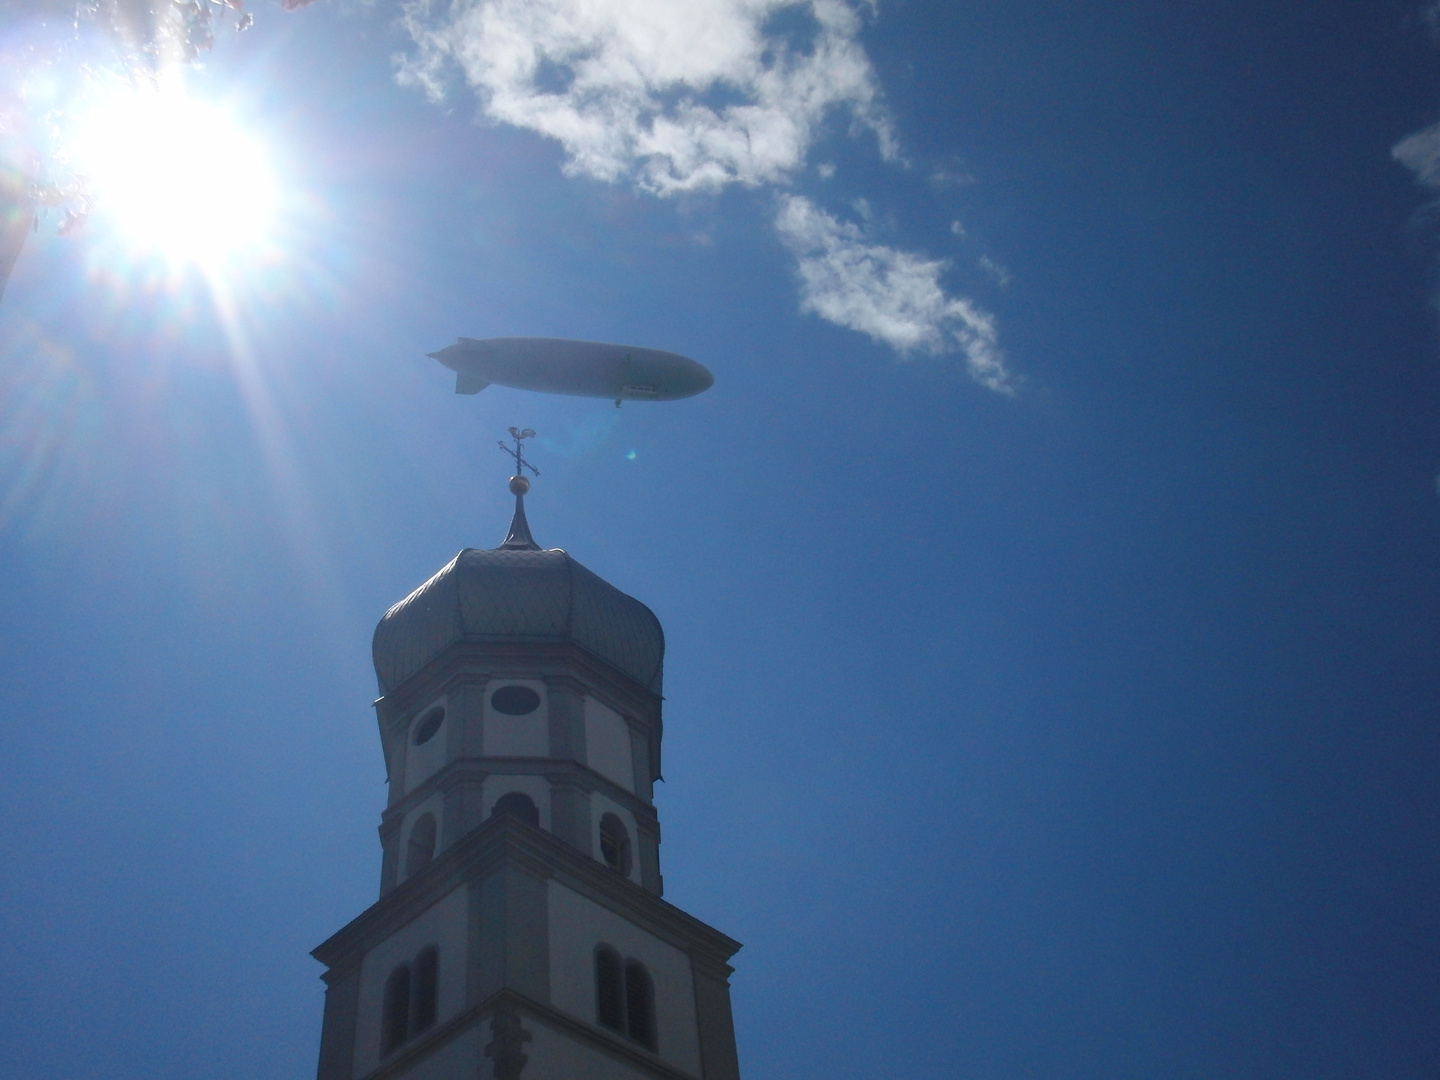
<point x="518" y="593"/>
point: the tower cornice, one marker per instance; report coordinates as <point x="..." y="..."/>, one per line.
<point x="503" y="841"/>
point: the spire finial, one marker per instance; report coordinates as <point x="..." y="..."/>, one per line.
<point x="519" y="538"/>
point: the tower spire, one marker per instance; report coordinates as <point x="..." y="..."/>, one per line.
<point x="519" y="538"/>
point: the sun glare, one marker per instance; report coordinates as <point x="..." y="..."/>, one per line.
<point x="176" y="177"/>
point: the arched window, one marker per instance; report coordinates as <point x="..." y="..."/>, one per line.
<point x="520" y="805"/>
<point x="395" y="1021"/>
<point x="624" y="996"/>
<point x="615" y="844"/>
<point x="639" y="1004"/>
<point x="411" y="1000"/>
<point x="609" y="996"/>
<point x="426" y="998"/>
<point x="421" y="848"/>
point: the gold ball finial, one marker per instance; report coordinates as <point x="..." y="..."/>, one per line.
<point x="519" y="485"/>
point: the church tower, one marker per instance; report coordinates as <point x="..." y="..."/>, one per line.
<point x="520" y="931"/>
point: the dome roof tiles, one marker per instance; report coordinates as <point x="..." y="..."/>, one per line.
<point x="518" y="594"/>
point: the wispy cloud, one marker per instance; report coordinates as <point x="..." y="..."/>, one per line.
<point x="1430" y="16"/>
<point x="893" y="296"/>
<point x="681" y="96"/>
<point x="951" y="176"/>
<point x="1420" y="153"/>
<point x="1000" y="274"/>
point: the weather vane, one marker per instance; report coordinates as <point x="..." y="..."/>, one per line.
<point x="519" y="452"/>
<point x="519" y="538"/>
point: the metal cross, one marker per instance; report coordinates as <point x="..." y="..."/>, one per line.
<point x="519" y="452"/>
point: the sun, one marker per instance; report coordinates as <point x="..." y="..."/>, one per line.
<point x="176" y="177"/>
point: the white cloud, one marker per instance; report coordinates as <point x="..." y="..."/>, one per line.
<point x="1420" y="153"/>
<point x="951" y="176"/>
<point x="893" y="296"/>
<point x="1430" y="15"/>
<point x="1000" y="274"/>
<point x="677" y="95"/>
<point x="680" y="96"/>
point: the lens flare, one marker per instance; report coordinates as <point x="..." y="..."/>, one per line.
<point x="176" y="177"/>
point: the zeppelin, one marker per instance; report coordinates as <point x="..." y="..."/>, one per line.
<point x="579" y="368"/>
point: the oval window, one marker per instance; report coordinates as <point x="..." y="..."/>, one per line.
<point x="515" y="700"/>
<point x="428" y="725"/>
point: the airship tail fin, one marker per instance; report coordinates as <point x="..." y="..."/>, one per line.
<point x="465" y="383"/>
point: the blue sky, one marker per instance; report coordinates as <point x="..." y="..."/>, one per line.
<point x="1050" y="578"/>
